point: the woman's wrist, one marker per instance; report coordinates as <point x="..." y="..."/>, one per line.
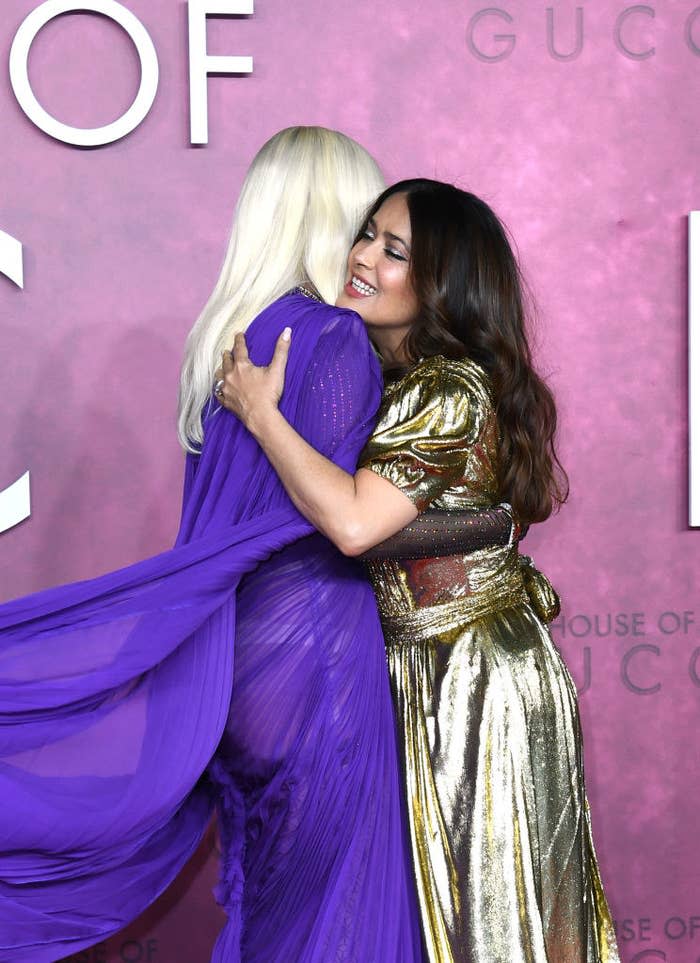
<point x="260" y="420"/>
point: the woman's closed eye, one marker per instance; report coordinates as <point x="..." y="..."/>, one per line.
<point x="396" y="255"/>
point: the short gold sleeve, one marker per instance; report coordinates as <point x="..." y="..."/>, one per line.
<point x="428" y="423"/>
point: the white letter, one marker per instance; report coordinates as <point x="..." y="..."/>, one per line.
<point x="11" y="264"/>
<point x="694" y="368"/>
<point x="19" y="76"/>
<point x="201" y="64"/>
<point x="15" y="503"/>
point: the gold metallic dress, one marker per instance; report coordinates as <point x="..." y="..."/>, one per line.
<point x="504" y="861"/>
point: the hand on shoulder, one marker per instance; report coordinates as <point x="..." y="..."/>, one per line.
<point x="251" y="391"/>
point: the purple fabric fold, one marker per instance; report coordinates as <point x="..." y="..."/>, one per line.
<point x="115" y="692"/>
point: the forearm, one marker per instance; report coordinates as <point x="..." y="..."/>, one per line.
<point x="324" y="493"/>
<point x="353" y="511"/>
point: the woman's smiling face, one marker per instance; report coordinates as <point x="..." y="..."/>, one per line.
<point x="378" y="285"/>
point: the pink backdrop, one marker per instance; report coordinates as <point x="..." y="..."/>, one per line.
<point x="592" y="162"/>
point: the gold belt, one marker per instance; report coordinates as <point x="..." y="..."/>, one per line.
<point x="448" y="619"/>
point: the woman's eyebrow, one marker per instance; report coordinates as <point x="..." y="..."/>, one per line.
<point x="395" y="237"/>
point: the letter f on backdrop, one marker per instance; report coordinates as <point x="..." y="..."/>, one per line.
<point x="203" y="64"/>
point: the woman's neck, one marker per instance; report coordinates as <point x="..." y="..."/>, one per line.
<point x="391" y="346"/>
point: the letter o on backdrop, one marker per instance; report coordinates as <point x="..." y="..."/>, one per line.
<point x="79" y="136"/>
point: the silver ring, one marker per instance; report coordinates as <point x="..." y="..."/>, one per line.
<point x="218" y="386"/>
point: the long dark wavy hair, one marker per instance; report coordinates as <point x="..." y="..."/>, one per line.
<point x="470" y="295"/>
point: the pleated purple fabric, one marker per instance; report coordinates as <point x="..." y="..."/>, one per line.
<point x="115" y="694"/>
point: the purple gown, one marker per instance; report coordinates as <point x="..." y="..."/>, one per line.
<point x="115" y="694"/>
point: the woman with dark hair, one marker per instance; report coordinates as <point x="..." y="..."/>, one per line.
<point x="502" y="851"/>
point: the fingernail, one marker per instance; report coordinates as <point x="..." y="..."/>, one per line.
<point x="287" y="334"/>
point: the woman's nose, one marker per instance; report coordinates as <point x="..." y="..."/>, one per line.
<point x="365" y="255"/>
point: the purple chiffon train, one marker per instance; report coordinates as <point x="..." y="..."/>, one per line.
<point x="244" y="668"/>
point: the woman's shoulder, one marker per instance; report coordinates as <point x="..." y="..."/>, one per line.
<point x="336" y="338"/>
<point x="440" y="402"/>
<point x="446" y="378"/>
<point x="459" y="369"/>
<point x="320" y="314"/>
<point x="310" y="319"/>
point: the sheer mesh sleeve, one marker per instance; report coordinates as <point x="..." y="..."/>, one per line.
<point x="434" y="534"/>
<point x="427" y="425"/>
<point x="341" y="391"/>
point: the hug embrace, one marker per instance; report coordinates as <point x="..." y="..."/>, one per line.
<point x="360" y="469"/>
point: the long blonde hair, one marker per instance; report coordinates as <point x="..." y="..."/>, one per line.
<point x="300" y="206"/>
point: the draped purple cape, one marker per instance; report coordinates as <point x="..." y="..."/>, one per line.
<point x="115" y="693"/>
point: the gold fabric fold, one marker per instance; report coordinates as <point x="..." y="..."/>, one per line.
<point x="541" y="593"/>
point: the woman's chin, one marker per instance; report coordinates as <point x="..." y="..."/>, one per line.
<point x="347" y="301"/>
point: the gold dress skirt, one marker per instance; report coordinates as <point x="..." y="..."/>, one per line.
<point x="504" y="860"/>
<point x="502" y="851"/>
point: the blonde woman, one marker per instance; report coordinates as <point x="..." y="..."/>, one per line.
<point x="314" y="866"/>
<point x="116" y="692"/>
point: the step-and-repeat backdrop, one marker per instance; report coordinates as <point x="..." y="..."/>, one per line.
<point x="126" y="131"/>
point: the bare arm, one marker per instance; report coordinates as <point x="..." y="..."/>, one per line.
<point x="354" y="511"/>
